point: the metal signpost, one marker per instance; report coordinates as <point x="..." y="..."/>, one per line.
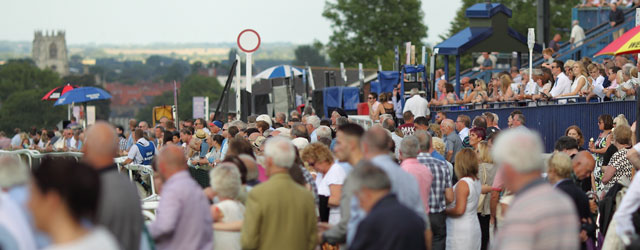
<point x="238" y="88"/>
<point x="249" y="42"/>
<point x="531" y="42"/>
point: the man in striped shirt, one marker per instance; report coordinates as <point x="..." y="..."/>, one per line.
<point x="539" y="217"/>
<point x="441" y="190"/>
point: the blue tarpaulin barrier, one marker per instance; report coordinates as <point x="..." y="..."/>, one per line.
<point x="332" y="98"/>
<point x="551" y="121"/>
<point x="388" y="79"/>
<point x="351" y="98"/>
<point x="375" y="87"/>
<point x="414" y="68"/>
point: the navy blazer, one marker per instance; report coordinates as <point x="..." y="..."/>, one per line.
<point x="390" y="225"/>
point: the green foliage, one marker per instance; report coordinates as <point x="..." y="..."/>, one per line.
<point x="22" y="85"/>
<point x="194" y="85"/>
<point x="363" y="30"/>
<point x="309" y="54"/>
<point x="24" y="109"/>
<point x="19" y="75"/>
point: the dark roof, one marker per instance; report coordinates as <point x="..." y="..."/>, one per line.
<point x="484" y="35"/>
<point x="486" y="10"/>
<point x="463" y="40"/>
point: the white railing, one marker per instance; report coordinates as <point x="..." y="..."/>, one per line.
<point x="362" y="120"/>
<point x="149" y="203"/>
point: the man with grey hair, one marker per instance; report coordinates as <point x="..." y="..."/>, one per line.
<point x="299" y="130"/>
<point x="540" y="217"/>
<point x="323" y="132"/>
<point x="389" y="224"/>
<point x="119" y="204"/>
<point x="313" y="122"/>
<point x="375" y="148"/>
<point x="453" y="143"/>
<point x="409" y="149"/>
<point x="281" y="118"/>
<point x="341" y="121"/>
<point x="416" y="104"/>
<point x="294" y="224"/>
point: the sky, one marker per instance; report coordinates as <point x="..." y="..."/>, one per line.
<point x="129" y="22"/>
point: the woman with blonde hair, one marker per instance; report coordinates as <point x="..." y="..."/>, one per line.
<point x="463" y="227"/>
<point x="486" y="173"/>
<point x="580" y="83"/>
<point x="505" y="92"/>
<point x="479" y="92"/>
<point x="620" y="120"/>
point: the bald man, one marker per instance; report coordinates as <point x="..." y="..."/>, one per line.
<point x="183" y="218"/>
<point x="119" y="205"/>
<point x="583" y="164"/>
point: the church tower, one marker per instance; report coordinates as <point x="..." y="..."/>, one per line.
<point x="50" y="51"/>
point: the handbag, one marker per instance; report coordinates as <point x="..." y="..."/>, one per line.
<point x="482" y="196"/>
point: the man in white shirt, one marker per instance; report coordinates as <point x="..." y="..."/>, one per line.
<point x="562" y="84"/>
<point x="417" y="105"/>
<point x="577" y="34"/>
<point x="15" y="140"/>
<point x="142" y="152"/>
<point x="463" y="122"/>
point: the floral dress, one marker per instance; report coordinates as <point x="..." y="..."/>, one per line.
<point x="601" y="142"/>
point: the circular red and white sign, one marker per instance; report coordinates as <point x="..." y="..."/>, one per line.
<point x="248" y="40"/>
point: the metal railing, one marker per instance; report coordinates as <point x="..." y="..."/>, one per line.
<point x="149" y="203"/>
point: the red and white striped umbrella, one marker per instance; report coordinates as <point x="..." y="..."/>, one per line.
<point x="57" y="92"/>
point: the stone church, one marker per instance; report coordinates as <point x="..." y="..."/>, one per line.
<point x="49" y="50"/>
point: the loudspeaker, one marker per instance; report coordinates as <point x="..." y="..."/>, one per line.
<point x="261" y="102"/>
<point x="318" y="102"/>
<point x="246" y="100"/>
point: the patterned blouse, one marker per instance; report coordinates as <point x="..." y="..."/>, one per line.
<point x="623" y="168"/>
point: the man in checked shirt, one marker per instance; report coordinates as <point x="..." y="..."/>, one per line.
<point x="441" y="190"/>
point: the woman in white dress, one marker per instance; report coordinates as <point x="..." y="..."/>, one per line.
<point x="463" y="227"/>
<point x="225" y="182"/>
<point x="580" y="83"/>
<point x="329" y="179"/>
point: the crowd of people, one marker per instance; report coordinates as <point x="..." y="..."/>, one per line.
<point x="611" y="80"/>
<point x="295" y="181"/>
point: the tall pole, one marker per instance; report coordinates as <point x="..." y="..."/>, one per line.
<point x="248" y="72"/>
<point x="249" y="81"/>
<point x="531" y="43"/>
<point x="175" y="103"/>
<point x="238" y="89"/>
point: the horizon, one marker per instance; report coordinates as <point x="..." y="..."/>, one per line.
<point x="125" y="23"/>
